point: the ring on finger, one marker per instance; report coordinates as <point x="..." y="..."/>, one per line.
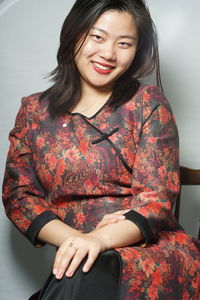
<point x="72" y="245"/>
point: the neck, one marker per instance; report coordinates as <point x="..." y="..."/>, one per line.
<point x="90" y="93"/>
<point x="91" y="101"/>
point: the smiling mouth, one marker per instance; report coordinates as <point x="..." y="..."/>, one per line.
<point x="103" y="66"/>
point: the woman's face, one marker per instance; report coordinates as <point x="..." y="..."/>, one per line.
<point x="108" y="50"/>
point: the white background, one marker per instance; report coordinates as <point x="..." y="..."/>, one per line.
<point x="29" y="35"/>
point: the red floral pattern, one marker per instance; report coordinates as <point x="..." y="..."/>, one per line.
<point x="53" y="165"/>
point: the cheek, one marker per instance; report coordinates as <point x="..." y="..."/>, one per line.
<point x="126" y="61"/>
<point x="89" y="49"/>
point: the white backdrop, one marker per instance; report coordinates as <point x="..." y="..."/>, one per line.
<point x="29" y="34"/>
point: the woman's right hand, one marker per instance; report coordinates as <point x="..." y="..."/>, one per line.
<point x="112" y="218"/>
<point x="73" y="250"/>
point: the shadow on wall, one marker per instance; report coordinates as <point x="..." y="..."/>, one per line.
<point x="34" y="263"/>
<point x="189" y="214"/>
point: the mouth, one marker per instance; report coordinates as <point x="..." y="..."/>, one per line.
<point x="102" y="68"/>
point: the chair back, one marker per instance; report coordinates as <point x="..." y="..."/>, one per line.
<point x="187" y="177"/>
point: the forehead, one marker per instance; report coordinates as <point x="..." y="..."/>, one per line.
<point x="116" y="22"/>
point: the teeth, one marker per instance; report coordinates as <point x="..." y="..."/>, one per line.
<point x="102" y="67"/>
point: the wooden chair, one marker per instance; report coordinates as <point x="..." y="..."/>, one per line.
<point x="187" y="177"/>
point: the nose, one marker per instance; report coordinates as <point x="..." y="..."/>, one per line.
<point x="108" y="52"/>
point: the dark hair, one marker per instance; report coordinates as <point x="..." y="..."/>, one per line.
<point x="66" y="90"/>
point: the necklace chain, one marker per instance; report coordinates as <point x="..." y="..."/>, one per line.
<point x="84" y="108"/>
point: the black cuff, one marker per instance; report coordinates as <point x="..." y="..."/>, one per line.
<point x="37" y="225"/>
<point x="142" y="223"/>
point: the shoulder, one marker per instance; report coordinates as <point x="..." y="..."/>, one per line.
<point x="32" y="103"/>
<point x="148" y="98"/>
<point x="151" y="95"/>
<point x="31" y="110"/>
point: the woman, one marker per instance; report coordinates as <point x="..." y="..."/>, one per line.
<point x="93" y="165"/>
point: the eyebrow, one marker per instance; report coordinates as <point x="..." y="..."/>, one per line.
<point x="122" y="36"/>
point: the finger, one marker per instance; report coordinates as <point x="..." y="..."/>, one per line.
<point x="77" y="259"/>
<point x="92" y="256"/>
<point x="107" y="217"/>
<point x="106" y="222"/>
<point x="121" y="217"/>
<point x="58" y="258"/>
<point x="113" y="219"/>
<point x="121" y="212"/>
<point x="62" y="260"/>
<point x="116" y="215"/>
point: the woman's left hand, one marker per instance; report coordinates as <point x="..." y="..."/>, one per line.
<point x="115" y="217"/>
<point x="72" y="252"/>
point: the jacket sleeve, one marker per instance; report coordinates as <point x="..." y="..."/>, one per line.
<point x="23" y="195"/>
<point x="155" y="179"/>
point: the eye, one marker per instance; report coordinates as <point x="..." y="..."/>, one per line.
<point x="96" y="37"/>
<point x="125" y="45"/>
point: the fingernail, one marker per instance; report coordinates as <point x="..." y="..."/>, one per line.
<point x="59" y="275"/>
<point x="85" y="269"/>
<point x="54" y="271"/>
<point x="69" y="273"/>
<point x="122" y="217"/>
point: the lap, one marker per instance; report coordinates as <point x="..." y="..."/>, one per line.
<point x="167" y="269"/>
<point x="101" y="282"/>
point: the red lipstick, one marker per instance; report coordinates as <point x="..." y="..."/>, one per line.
<point x="106" y="70"/>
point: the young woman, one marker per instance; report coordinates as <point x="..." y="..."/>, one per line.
<point x="93" y="165"/>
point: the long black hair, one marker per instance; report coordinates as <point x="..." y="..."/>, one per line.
<point x="66" y="90"/>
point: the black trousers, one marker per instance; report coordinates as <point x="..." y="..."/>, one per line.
<point x="102" y="282"/>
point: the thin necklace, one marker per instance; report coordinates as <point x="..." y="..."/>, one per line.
<point x="84" y="108"/>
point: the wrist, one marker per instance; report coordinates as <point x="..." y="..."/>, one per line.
<point x="98" y="235"/>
